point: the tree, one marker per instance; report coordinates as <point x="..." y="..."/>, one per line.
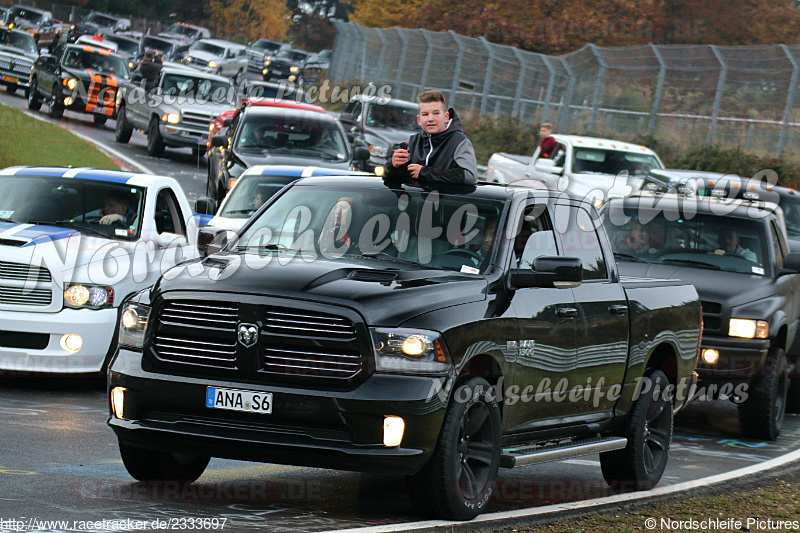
<point x="249" y="19"/>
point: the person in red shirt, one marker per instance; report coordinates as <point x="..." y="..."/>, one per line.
<point x="548" y="145"/>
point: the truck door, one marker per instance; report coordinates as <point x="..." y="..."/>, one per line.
<point x="546" y="331"/>
<point x="602" y="321"/>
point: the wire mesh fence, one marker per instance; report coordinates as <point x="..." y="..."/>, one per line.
<point x="688" y="95"/>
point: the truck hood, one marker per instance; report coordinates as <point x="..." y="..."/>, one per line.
<point x="394" y="297"/>
<point x="183" y="39"/>
<point x="206" y="108"/>
<point x="205" y="56"/>
<point x="581" y="184"/>
<point x="18" y="52"/>
<point x="711" y="285"/>
<point x="289" y="159"/>
<point x="391" y="135"/>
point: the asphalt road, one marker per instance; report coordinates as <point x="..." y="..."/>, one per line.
<point x="59" y="461"/>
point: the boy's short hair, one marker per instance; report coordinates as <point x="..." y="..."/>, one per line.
<point x="432" y="96"/>
<point x="546" y="125"/>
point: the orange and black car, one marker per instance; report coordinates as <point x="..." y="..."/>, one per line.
<point x="79" y="78"/>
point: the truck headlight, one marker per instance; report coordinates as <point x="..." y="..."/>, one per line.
<point x="748" y="329"/>
<point x="132" y="325"/>
<point x="378" y="151"/>
<point x="294" y="70"/>
<point x="409" y="351"/>
<point x="131" y="65"/>
<point x="71" y="83"/>
<point x="213" y="64"/>
<point x="88" y="296"/>
<point x="172" y="118"/>
<point x="267" y="62"/>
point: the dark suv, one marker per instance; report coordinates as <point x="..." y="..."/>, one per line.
<point x="286" y="64"/>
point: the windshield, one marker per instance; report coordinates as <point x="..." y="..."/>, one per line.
<point x="304" y="135"/>
<point x="30" y="16"/>
<point x="402" y="228"/>
<point x="111" y="210"/>
<point x="251" y="193"/>
<point x="150" y="43"/>
<point x="101" y="20"/>
<point x="218" y="92"/>
<point x="271" y="90"/>
<point x="393" y="116"/>
<point x="702" y="241"/>
<point x="292" y="55"/>
<point x="263" y="44"/>
<point x="791" y="213"/>
<point x="91" y="60"/>
<point x="124" y="45"/>
<point x="23" y="41"/>
<point x="181" y="29"/>
<point x="208" y="47"/>
<point x="599" y="161"/>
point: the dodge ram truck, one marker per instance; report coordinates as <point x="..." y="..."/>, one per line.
<point x="359" y="324"/>
<point x="735" y="252"/>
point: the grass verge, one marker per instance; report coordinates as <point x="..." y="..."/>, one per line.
<point x="27" y="141"/>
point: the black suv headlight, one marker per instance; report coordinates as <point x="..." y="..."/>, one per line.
<point x="409" y="351"/>
<point x="133" y="324"/>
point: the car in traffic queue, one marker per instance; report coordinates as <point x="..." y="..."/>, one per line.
<point x="39" y="23"/>
<point x="316" y="66"/>
<point x="286" y="64"/>
<point x="223" y="58"/>
<point x="381" y="123"/>
<point x="736" y="254"/>
<point x="169" y="49"/>
<point x="185" y="34"/>
<point x="127" y="47"/>
<point x="176" y="112"/>
<point x="266" y="132"/>
<point x="81" y="78"/>
<point x="360" y="324"/>
<point x="252" y="190"/>
<point x="98" y="23"/>
<point x="259" y="52"/>
<point x="17" y="54"/>
<point x="65" y="271"/>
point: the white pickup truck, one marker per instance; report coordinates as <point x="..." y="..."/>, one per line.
<point x="585" y="166"/>
<point x="75" y="244"/>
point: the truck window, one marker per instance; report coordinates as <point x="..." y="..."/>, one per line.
<point x="535" y="237"/>
<point x="579" y="239"/>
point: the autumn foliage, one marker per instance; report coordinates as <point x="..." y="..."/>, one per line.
<point x="551" y="26"/>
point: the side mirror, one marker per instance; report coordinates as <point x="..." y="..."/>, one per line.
<point x="219" y="141"/>
<point x="211" y="240"/>
<point x="227" y="122"/>
<point x="791" y="264"/>
<point x="546" y="165"/>
<point x="548" y="272"/>
<point x="361" y="154"/>
<point x="205" y="206"/>
<point x="351" y="138"/>
<point x="347" y="117"/>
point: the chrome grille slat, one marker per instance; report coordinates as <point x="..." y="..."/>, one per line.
<point x="187" y="342"/>
<point x="22" y="296"/>
<point x="204" y="343"/>
<point x="180" y="346"/>
<point x="17" y="271"/>
<point x="322" y="354"/>
<point x="304" y="324"/>
<point x="317" y="369"/>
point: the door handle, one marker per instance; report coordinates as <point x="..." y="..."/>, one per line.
<point x="567" y="312"/>
<point x="618" y="309"/>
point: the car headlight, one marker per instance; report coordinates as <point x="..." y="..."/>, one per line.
<point x="172" y="118"/>
<point x="748" y="329"/>
<point x="92" y="296"/>
<point x="267" y="62"/>
<point x="72" y="26"/>
<point x="131" y="64"/>
<point x="213" y="64"/>
<point x="378" y="151"/>
<point x="71" y="83"/>
<point x="409" y="351"/>
<point x="294" y="70"/>
<point x="132" y="325"/>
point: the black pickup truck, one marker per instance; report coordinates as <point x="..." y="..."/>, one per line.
<point x="736" y="254"/>
<point x="440" y="334"/>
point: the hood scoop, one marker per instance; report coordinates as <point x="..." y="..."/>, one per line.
<point x="377" y="276"/>
<point x="13" y="242"/>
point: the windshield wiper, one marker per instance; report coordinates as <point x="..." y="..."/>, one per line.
<point x="268" y="247"/>
<point x="8" y="220"/>
<point x="623" y="255"/>
<point x="69" y="224"/>
<point x="701" y="264"/>
<point x="239" y="211"/>
<point x="388" y="257"/>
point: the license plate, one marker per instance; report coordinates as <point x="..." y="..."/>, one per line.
<point x="100" y="110"/>
<point x="239" y="400"/>
<point x="11" y="79"/>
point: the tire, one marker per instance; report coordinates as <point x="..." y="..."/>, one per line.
<point x="123" y="130"/>
<point x="56" y="105"/>
<point x="99" y="120"/>
<point x="155" y="144"/>
<point x="793" y="397"/>
<point x="761" y="414"/>
<point x="641" y="463"/>
<point x="458" y="479"/>
<point x="34" y="98"/>
<point x="151" y="465"/>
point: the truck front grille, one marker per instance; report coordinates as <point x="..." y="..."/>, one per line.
<point x="306" y="324"/>
<point x="196" y="119"/>
<point x="23" y="296"/>
<point x="18" y="271"/>
<point x="712" y="319"/>
<point x="198" y="334"/>
<point x="312" y="362"/>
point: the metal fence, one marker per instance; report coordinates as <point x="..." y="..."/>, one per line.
<point x="685" y="94"/>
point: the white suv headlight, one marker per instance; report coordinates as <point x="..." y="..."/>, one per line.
<point x="92" y="296"/>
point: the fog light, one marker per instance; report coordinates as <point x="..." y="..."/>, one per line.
<point x="118" y="401"/>
<point x="292" y="78"/>
<point x="68" y="101"/>
<point x="71" y="343"/>
<point x="393" y="428"/>
<point x="265" y="71"/>
<point x="379" y="171"/>
<point x="710" y="356"/>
